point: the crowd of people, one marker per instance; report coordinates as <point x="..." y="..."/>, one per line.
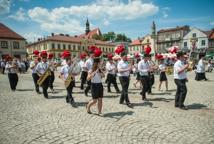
<point x="93" y="69"/>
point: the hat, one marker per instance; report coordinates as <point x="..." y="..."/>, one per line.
<point x="110" y="56"/>
<point x="8" y="58"/>
<point x="137" y="55"/>
<point x="66" y="54"/>
<point x="50" y="55"/>
<point x="83" y="55"/>
<point x="147" y="50"/>
<point x="36" y="53"/>
<point x="91" y="49"/>
<point x="120" y="49"/>
<point x="159" y="56"/>
<point x="44" y="54"/>
<point x="97" y="52"/>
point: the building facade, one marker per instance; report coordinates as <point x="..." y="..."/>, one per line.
<point x="196" y="41"/>
<point x="11" y="43"/>
<point x="135" y="46"/>
<point x="211" y="42"/>
<point x="167" y="38"/>
<point x="56" y="44"/>
<point x="149" y="41"/>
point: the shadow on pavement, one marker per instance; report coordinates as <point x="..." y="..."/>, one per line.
<point x="24" y="89"/>
<point x="111" y="96"/>
<point x="118" y="115"/>
<point x="163" y="93"/>
<point x="56" y="97"/>
<point x="145" y="103"/>
<point x="81" y="104"/>
<point x="161" y="99"/>
<point x="196" y="106"/>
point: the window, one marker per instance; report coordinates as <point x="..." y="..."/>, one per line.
<point x="69" y="47"/>
<point x="194" y="35"/>
<point x="74" y="47"/>
<point x="4" y="44"/>
<point x="147" y="40"/>
<point x="53" y="46"/>
<point x="15" y="45"/>
<point x="203" y="42"/>
<point x="185" y="44"/>
<point x="59" y="46"/>
<point x="64" y="46"/>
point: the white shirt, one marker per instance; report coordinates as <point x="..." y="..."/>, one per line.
<point x="9" y="68"/>
<point x="31" y="65"/>
<point x="65" y="71"/>
<point x="143" y="68"/>
<point x="123" y="65"/>
<point x="82" y="65"/>
<point x="177" y="66"/>
<point x="89" y="64"/>
<point x="63" y="62"/>
<point x="42" y="67"/>
<point x="200" y="67"/>
<point x="51" y="64"/>
<point x="97" y="78"/>
<point x="111" y="68"/>
<point x="162" y="67"/>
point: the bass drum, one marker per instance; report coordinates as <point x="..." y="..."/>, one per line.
<point x="76" y="70"/>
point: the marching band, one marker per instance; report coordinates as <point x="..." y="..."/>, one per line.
<point x="91" y="67"/>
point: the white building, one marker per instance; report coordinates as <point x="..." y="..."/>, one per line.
<point x="195" y="40"/>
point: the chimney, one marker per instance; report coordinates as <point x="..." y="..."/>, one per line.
<point x="52" y="34"/>
<point x="38" y="39"/>
<point x="67" y="35"/>
<point x="61" y="34"/>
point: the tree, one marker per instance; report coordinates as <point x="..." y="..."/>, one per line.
<point x="110" y="36"/>
<point x="122" y="38"/>
<point x="97" y="37"/>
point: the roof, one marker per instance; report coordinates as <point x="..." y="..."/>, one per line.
<point x="135" y="42"/>
<point x="69" y="39"/>
<point x="91" y="33"/>
<point x="207" y="32"/>
<point x="6" y="32"/>
<point x="174" y="29"/>
<point x="211" y="36"/>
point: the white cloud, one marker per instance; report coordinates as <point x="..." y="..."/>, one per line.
<point x="165" y="12"/>
<point x="68" y="19"/>
<point x="4" y="6"/>
<point x="31" y="37"/>
<point x="20" y="15"/>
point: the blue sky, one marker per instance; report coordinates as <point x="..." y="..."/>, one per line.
<point x="39" y="18"/>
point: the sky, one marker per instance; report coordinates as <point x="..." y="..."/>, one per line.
<point x="39" y="18"/>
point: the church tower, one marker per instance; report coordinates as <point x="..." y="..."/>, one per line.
<point x="153" y="29"/>
<point x="87" y="30"/>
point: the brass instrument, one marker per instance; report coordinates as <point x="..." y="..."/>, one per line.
<point x="169" y="70"/>
<point x="43" y="77"/>
<point x="76" y="69"/>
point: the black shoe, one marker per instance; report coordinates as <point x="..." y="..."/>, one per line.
<point x="184" y="108"/>
<point x="67" y="100"/>
<point x="121" y="102"/>
<point x="89" y="112"/>
<point x="46" y="96"/>
<point x="86" y="94"/>
<point x="129" y="105"/>
<point x="176" y="105"/>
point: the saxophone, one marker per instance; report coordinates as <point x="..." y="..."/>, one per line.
<point x="44" y="76"/>
<point x="70" y="77"/>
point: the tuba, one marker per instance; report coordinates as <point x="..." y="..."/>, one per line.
<point x="75" y="70"/>
<point x="44" y="76"/>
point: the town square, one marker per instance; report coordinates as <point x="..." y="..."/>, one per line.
<point x="106" y="72"/>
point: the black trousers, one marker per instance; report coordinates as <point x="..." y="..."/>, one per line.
<point x="88" y="86"/>
<point x="125" y="85"/>
<point x="13" y="80"/>
<point x="83" y="79"/>
<point x="69" y="89"/>
<point x="112" y="80"/>
<point x="45" y="86"/>
<point x="181" y="92"/>
<point x="200" y="76"/>
<point x="51" y="81"/>
<point x="151" y="82"/>
<point x="146" y="85"/>
<point x="35" y="79"/>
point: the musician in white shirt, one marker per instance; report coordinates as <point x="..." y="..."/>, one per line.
<point x="144" y="69"/>
<point x="111" y="76"/>
<point x="200" y="71"/>
<point x="163" y="78"/>
<point x="41" y="69"/>
<point x="96" y="75"/>
<point x="180" y="79"/>
<point x="64" y="73"/>
<point x="88" y="67"/>
<point x="11" y="68"/>
<point x="84" y="72"/>
<point x="124" y="73"/>
<point x="35" y="76"/>
<point x="52" y="68"/>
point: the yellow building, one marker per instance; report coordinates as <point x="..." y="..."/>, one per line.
<point x="56" y="44"/>
<point x="11" y="43"/>
<point x="135" y="46"/>
<point x="149" y="41"/>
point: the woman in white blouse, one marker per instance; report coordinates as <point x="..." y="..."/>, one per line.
<point x="163" y="78"/>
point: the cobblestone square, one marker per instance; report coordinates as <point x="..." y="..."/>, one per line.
<point x="29" y="118"/>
